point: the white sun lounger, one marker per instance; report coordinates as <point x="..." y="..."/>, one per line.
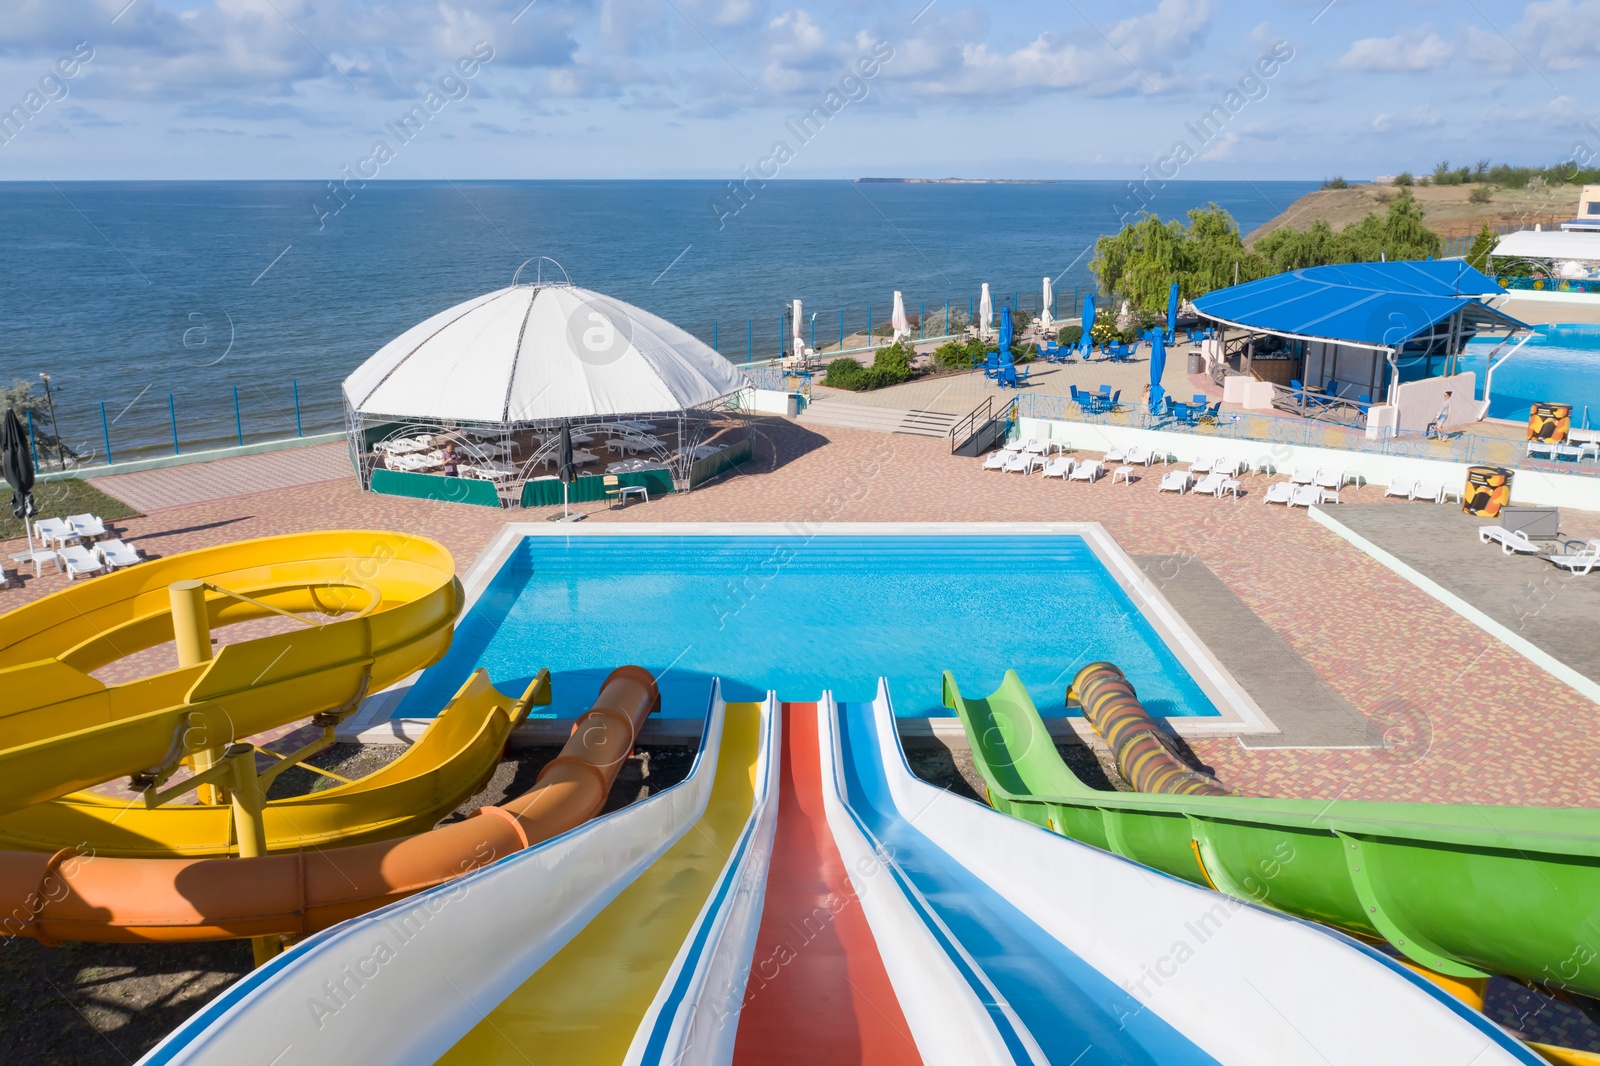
<point x="87" y="526"/>
<point x="1305" y="496"/>
<point x="1511" y="541"/>
<point x="1140" y="456"/>
<point x="1303" y="475"/>
<point x="77" y="560"/>
<point x="1226" y="467"/>
<point x="1201" y="466"/>
<point x="1212" y="483"/>
<point x="116" y="554"/>
<point x="1581" y="561"/>
<point x="1088" y="470"/>
<point x="54" y="531"/>
<point x="1059" y="467"/>
<point x="1428" y="490"/>
<point x="1330" y="482"/>
<point x="1116" y="455"/>
<point x="1177" y="481"/>
<point x="1279" y="492"/>
<point x="1405" y="487"/>
<point x="1021" y="463"/>
<point x="998" y="460"/>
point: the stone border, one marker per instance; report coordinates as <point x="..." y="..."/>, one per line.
<point x="1238" y="712"/>
<point x="1517" y="643"/>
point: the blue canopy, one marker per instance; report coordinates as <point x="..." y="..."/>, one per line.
<point x="1088" y="322"/>
<point x="1158" y="365"/>
<point x="1172" y="313"/>
<point x="1371" y="305"/>
<point x="1005" y="334"/>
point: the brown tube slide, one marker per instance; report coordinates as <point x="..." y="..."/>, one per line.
<point x="72" y="896"/>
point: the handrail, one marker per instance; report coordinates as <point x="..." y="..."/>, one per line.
<point x="962" y="431"/>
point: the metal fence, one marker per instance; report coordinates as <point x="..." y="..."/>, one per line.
<point x="838" y="330"/>
<point x="1471" y="448"/>
<point x="89" y="450"/>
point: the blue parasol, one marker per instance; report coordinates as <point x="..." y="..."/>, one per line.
<point x="1172" y="313"/>
<point x="1158" y="364"/>
<point x="1005" y="335"/>
<point x="1088" y="324"/>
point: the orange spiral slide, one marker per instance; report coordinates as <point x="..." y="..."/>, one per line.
<point x="71" y="896"/>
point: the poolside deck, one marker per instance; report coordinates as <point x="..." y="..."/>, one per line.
<point x="1467" y="718"/>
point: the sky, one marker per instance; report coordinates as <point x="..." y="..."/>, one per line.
<point x="328" y="89"/>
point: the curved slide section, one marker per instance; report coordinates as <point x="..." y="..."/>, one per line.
<point x="1462" y="890"/>
<point x="446" y="765"/>
<point x="394" y="597"/>
<point x="67" y="896"/>
<point x="1113" y="709"/>
<point x="1079" y="956"/>
<point x="624" y="940"/>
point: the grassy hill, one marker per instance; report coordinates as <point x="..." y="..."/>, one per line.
<point x="1447" y="209"/>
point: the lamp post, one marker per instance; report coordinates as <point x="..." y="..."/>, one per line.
<point x="50" y="399"/>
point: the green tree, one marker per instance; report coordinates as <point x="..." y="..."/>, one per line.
<point x="1482" y="245"/>
<point x="19" y="396"/>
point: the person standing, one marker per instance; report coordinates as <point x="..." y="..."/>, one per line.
<point x="1442" y="419"/>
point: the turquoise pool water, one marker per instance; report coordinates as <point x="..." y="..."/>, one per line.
<point x="1559" y="365"/>
<point x="803" y="614"/>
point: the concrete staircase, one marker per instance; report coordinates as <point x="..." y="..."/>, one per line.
<point x="879" y="419"/>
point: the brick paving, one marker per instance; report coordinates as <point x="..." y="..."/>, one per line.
<point x="179" y="486"/>
<point x="1467" y="718"/>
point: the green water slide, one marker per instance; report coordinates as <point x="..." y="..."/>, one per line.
<point x="1464" y="890"/>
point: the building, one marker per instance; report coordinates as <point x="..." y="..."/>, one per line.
<point x="1372" y="345"/>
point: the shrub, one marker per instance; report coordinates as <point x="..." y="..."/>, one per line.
<point x="1403" y="178"/>
<point x="1481" y="194"/>
<point x="1024" y="353"/>
<point x="842" y="373"/>
<point x="1104" y="331"/>
<point x="890" y="366"/>
<point x="1336" y="183"/>
<point x="1482" y="245"/>
<point x="958" y="355"/>
<point x="1069" y="336"/>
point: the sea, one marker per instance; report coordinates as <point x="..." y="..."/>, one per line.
<point x="194" y="315"/>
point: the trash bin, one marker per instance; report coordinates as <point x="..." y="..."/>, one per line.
<point x="1197" y="363"/>
<point x="1488" y="489"/>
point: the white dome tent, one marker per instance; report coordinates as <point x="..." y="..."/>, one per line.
<point x="487" y="375"/>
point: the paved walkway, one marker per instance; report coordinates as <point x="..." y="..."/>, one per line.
<point x="1308" y="712"/>
<point x="1555" y="610"/>
<point x="181" y="486"/>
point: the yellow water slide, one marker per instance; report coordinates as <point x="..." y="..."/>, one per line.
<point x="431" y="778"/>
<point x="355" y="610"/>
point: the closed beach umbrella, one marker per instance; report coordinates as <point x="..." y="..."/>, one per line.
<point x="902" y="326"/>
<point x="18" y="466"/>
<point x="1088" y="323"/>
<point x="1172" y="313"/>
<point x="567" y="470"/>
<point x="985" y="313"/>
<point x="1158" y="364"/>
<point x="17" y="463"/>
<point x="1005" y="335"/>
<point x="799" y="345"/>
<point x="1047" y="321"/>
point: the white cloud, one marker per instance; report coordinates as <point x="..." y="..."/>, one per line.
<point x="1560" y="34"/>
<point x="1221" y="150"/>
<point x="1409" y="50"/>
<point x="1142" y="54"/>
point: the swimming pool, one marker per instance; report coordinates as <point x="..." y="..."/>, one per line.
<point x="1561" y="364"/>
<point x="800" y="614"/>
